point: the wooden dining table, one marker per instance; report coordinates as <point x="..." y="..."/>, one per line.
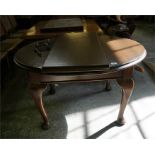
<point x="80" y="57"/>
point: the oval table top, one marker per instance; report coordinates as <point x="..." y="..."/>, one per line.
<point x="80" y="52"/>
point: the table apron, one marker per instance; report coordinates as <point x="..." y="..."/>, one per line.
<point x="45" y="78"/>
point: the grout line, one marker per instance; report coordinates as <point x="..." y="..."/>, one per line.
<point x="137" y="122"/>
<point x="85" y="124"/>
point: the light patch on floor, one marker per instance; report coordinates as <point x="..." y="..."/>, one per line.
<point x="144" y="106"/>
<point x="87" y="123"/>
<point x="148" y="126"/>
<point x="130" y="133"/>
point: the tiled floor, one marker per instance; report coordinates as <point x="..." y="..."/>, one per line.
<point x="83" y="110"/>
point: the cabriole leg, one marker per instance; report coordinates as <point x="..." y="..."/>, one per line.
<point x="107" y="86"/>
<point x="37" y="91"/>
<point x="127" y="86"/>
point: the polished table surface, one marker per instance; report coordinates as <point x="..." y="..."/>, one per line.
<point x="77" y="52"/>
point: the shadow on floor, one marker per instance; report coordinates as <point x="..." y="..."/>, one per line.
<point x="102" y="131"/>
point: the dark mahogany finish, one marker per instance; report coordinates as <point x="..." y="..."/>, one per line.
<point x="81" y="57"/>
